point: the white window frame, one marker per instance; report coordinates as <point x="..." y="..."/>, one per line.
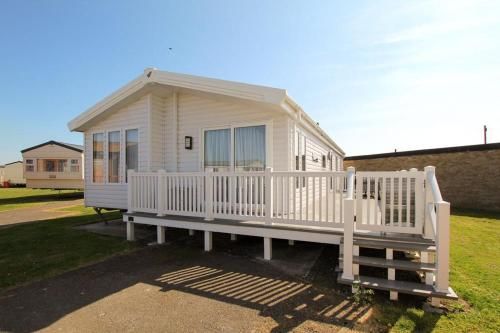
<point x="121" y="169"/>
<point x="269" y="141"/>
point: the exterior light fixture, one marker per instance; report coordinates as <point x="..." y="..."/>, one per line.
<point x="188" y="142"/>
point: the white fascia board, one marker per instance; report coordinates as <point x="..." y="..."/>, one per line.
<point x="107" y="102"/>
<point x="305" y="120"/>
<point x="221" y="87"/>
<point x="251" y="92"/>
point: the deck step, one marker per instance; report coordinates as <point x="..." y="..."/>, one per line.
<point x="404" y="287"/>
<point x="404" y="265"/>
<point x="401" y="246"/>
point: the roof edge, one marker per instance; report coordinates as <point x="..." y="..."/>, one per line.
<point x="444" y="150"/>
<point x="52" y="142"/>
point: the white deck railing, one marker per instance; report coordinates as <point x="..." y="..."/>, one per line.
<point x="382" y="201"/>
<point x="437" y="227"/>
<point x="390" y="201"/>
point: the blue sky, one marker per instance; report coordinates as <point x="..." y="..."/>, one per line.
<point x="377" y="75"/>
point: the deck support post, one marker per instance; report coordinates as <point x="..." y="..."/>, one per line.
<point x="443" y="246"/>
<point x="347" y="270"/>
<point x="191" y="232"/>
<point x="355" y="267"/>
<point x="208" y="241"/>
<point x="130" y="189"/>
<point x="268" y="248"/>
<point x="268" y="195"/>
<point x="233" y="238"/>
<point x="160" y="234"/>
<point x="426" y="258"/>
<point x="391" y="274"/>
<point x="209" y="195"/>
<point x="161" y="193"/>
<point x="291" y="242"/>
<point x="130" y="231"/>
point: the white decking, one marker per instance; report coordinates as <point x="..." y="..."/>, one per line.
<point x="393" y="210"/>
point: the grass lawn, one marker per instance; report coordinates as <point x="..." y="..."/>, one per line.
<point x="41" y="249"/>
<point x="475" y="276"/>
<point x="20" y="197"/>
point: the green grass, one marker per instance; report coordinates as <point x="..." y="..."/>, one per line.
<point x="475" y="277"/>
<point x="15" y="198"/>
<point x="41" y="249"/>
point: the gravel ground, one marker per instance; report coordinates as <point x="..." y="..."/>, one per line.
<point x="178" y="288"/>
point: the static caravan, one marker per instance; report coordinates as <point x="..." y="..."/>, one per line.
<point x="12" y="173"/>
<point x="184" y="123"/>
<point x="54" y="165"/>
<point x="208" y="155"/>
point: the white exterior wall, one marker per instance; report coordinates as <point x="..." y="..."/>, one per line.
<point x="314" y="148"/>
<point x="13" y="173"/>
<point x="196" y="113"/>
<point x="132" y="116"/>
<point x="162" y="147"/>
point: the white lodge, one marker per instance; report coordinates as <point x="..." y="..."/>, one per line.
<point x="218" y="156"/>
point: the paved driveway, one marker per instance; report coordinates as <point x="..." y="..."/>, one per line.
<point x="44" y="211"/>
<point x="176" y="289"/>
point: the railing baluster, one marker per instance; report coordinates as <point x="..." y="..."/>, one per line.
<point x="408" y="201"/>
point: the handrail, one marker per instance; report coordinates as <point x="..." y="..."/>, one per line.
<point x="350" y="182"/>
<point x="432" y="181"/>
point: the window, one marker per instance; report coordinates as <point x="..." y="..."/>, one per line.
<point x="323" y="161"/>
<point x="98" y="158"/>
<point x="132" y="150"/>
<point x="300" y="157"/>
<point x="29" y="166"/>
<point x="74" y="166"/>
<point x="114" y="157"/>
<point x="217" y="148"/>
<point x="250" y="148"/>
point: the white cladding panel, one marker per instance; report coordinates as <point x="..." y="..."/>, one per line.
<point x="134" y="115"/>
<point x="159" y="128"/>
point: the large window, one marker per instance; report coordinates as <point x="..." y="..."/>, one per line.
<point x="132" y="150"/>
<point x="98" y="158"/>
<point x="248" y="151"/>
<point x="52" y="165"/>
<point x="114" y="157"/>
<point x="114" y="153"/>
<point x="217" y="148"/>
<point x="250" y="148"/>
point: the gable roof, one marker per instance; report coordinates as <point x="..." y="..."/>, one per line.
<point x="71" y="146"/>
<point x="3" y="166"/>
<point x="277" y="98"/>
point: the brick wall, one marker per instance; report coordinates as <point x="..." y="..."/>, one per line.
<point x="467" y="179"/>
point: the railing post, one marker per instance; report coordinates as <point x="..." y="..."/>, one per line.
<point x="430" y="173"/>
<point x="268" y="195"/>
<point x="161" y="193"/>
<point x="130" y="189"/>
<point x="350" y="182"/>
<point x="347" y="271"/>
<point x="442" y="246"/>
<point x="209" y="195"/>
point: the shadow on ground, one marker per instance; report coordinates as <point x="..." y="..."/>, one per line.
<point x="229" y="275"/>
<point x="55" y="196"/>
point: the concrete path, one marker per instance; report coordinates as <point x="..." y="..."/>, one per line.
<point x="44" y="211"/>
<point x="177" y="289"/>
